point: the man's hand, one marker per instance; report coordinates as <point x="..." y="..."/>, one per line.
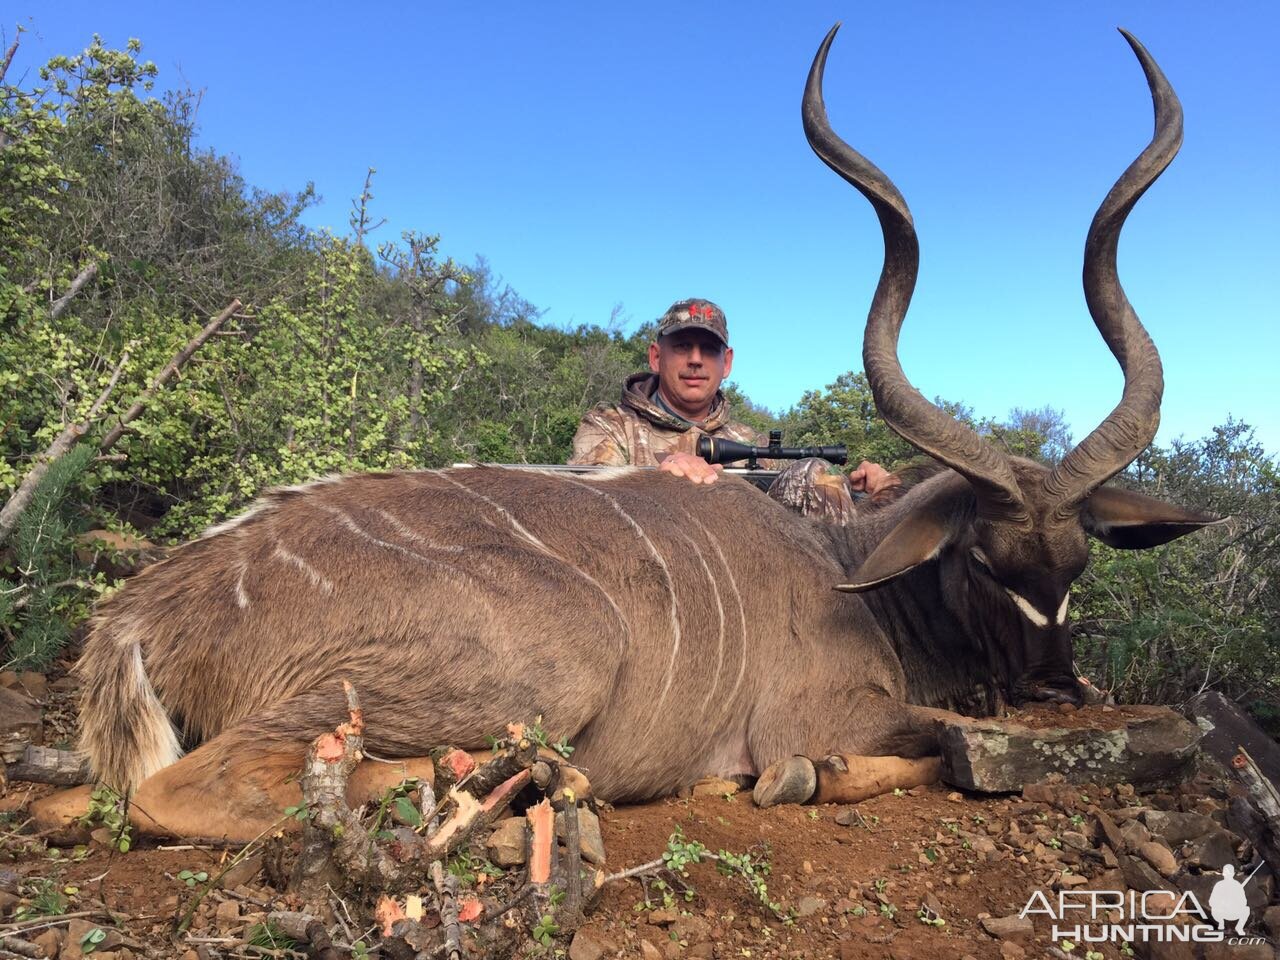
<point x="870" y="478"/>
<point x="691" y="466"/>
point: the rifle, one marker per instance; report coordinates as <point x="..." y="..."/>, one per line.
<point x="715" y="450"/>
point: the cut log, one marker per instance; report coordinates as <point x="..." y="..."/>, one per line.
<point x="1226" y="728"/>
<point x="1138" y="745"/>
<point x="63" y="768"/>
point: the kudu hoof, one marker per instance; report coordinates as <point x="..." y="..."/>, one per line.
<point x="793" y="780"/>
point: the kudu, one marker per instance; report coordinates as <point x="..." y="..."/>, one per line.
<point x="670" y="630"/>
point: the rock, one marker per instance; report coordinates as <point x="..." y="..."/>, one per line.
<point x="1011" y="951"/>
<point x="1160" y="857"/>
<point x="1175" y="827"/>
<point x="1134" y="834"/>
<point x="1139" y="875"/>
<point x="996" y="756"/>
<point x="1239" y="951"/>
<point x="50" y="942"/>
<point x="19" y="723"/>
<point x="1076" y="840"/>
<point x="715" y="787"/>
<point x="1271" y="920"/>
<point x="506" y="846"/>
<point x="664" y="917"/>
<point x="227" y="914"/>
<point x="1212" y="850"/>
<point x="78" y="930"/>
<point x="1110" y="831"/>
<point x="1012" y="927"/>
<point x="1226" y="727"/>
<point x="649" y="952"/>
<point x="8" y="901"/>
<point x="590" y="943"/>
<point x="847" y="816"/>
<point x="808" y="906"/>
<point x="246" y="871"/>
<point x="691" y="929"/>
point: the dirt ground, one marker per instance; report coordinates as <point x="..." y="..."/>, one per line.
<point x="865" y="881"/>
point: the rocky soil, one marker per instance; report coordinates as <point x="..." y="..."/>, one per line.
<point x="932" y="873"/>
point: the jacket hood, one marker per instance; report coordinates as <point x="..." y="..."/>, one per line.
<point x="639" y="392"/>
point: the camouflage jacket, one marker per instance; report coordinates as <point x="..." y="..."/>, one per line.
<point x="639" y="432"/>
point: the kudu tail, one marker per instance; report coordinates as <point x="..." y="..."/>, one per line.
<point x="125" y="730"/>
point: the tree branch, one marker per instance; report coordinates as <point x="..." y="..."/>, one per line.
<point x="167" y="374"/>
<point x="82" y="279"/>
<point x="67" y="439"/>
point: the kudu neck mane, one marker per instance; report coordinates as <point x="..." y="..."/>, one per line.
<point x="945" y="663"/>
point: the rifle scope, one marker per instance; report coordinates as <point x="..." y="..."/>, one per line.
<point x="715" y="450"/>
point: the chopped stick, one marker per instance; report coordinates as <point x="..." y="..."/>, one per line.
<point x="334" y="842"/>
<point x="487" y="777"/>
<point x="305" y="928"/>
<point x="542" y="823"/>
<point x="469" y="814"/>
<point x="571" y="874"/>
<point x="447" y="891"/>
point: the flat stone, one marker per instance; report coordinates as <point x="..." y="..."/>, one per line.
<point x="1135" y="834"/>
<point x="246" y="871"/>
<point x="1139" y="875"/>
<point x="1011" y="951"/>
<point x="996" y="756"/>
<point x="590" y="943"/>
<point x="1177" y="827"/>
<point x="1213" y="850"/>
<point x="808" y="906"/>
<point x="77" y="930"/>
<point x="1012" y="927"/>
<point x="228" y="913"/>
<point x="50" y="941"/>
<point x="691" y="929"/>
<point x="506" y="845"/>
<point x="1160" y="857"/>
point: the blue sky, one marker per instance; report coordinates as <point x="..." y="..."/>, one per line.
<point x="603" y="155"/>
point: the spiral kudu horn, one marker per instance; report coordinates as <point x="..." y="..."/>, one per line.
<point x="1126" y="432"/>
<point x="903" y="408"/>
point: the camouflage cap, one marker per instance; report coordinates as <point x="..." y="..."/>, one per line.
<point x="702" y="314"/>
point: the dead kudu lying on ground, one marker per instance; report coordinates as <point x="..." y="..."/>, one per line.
<point x="671" y="631"/>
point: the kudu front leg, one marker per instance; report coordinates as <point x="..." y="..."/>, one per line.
<point x="842" y="778"/>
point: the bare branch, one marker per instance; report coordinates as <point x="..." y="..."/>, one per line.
<point x="82" y="279"/>
<point x="67" y="439"/>
<point x="167" y="374"/>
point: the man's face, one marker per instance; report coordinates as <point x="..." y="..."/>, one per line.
<point x="690" y="365"/>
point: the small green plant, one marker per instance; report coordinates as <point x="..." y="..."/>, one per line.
<point x="1094" y="955"/>
<point x="545" y="930"/>
<point x="888" y="910"/>
<point x="814" y="815"/>
<point x="899" y="792"/>
<point x="301" y="812"/>
<point x="106" y="807"/>
<point x="46" y="900"/>
<point x="535" y="732"/>
<point x="929" y="918"/>
<point x="270" y="937"/>
<point x="858" y="910"/>
<point x="951" y="826"/>
<point x="468" y="866"/>
<point x="360" y="950"/>
<point x="1055" y="843"/>
<point x="880" y="884"/>
<point x="978" y="819"/>
<point x="191" y="878"/>
<point x="1077" y="820"/>
<point x="91" y="938"/>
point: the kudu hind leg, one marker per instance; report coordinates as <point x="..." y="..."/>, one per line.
<point x="893" y="746"/>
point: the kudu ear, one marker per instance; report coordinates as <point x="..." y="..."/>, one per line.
<point x="1133" y="521"/>
<point x="915" y="540"/>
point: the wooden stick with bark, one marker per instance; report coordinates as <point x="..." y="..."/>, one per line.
<point x="61" y="445"/>
<point x="170" y="370"/>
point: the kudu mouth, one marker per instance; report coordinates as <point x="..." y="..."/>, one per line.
<point x="1130" y="427"/>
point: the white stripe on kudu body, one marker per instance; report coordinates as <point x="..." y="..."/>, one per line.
<point x="666" y="576"/>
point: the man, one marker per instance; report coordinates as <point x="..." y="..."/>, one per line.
<point x="663" y="413"/>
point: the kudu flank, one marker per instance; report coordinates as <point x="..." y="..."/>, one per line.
<point x="670" y="630"/>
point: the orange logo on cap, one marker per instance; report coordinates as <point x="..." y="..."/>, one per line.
<point x="703" y="310"/>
